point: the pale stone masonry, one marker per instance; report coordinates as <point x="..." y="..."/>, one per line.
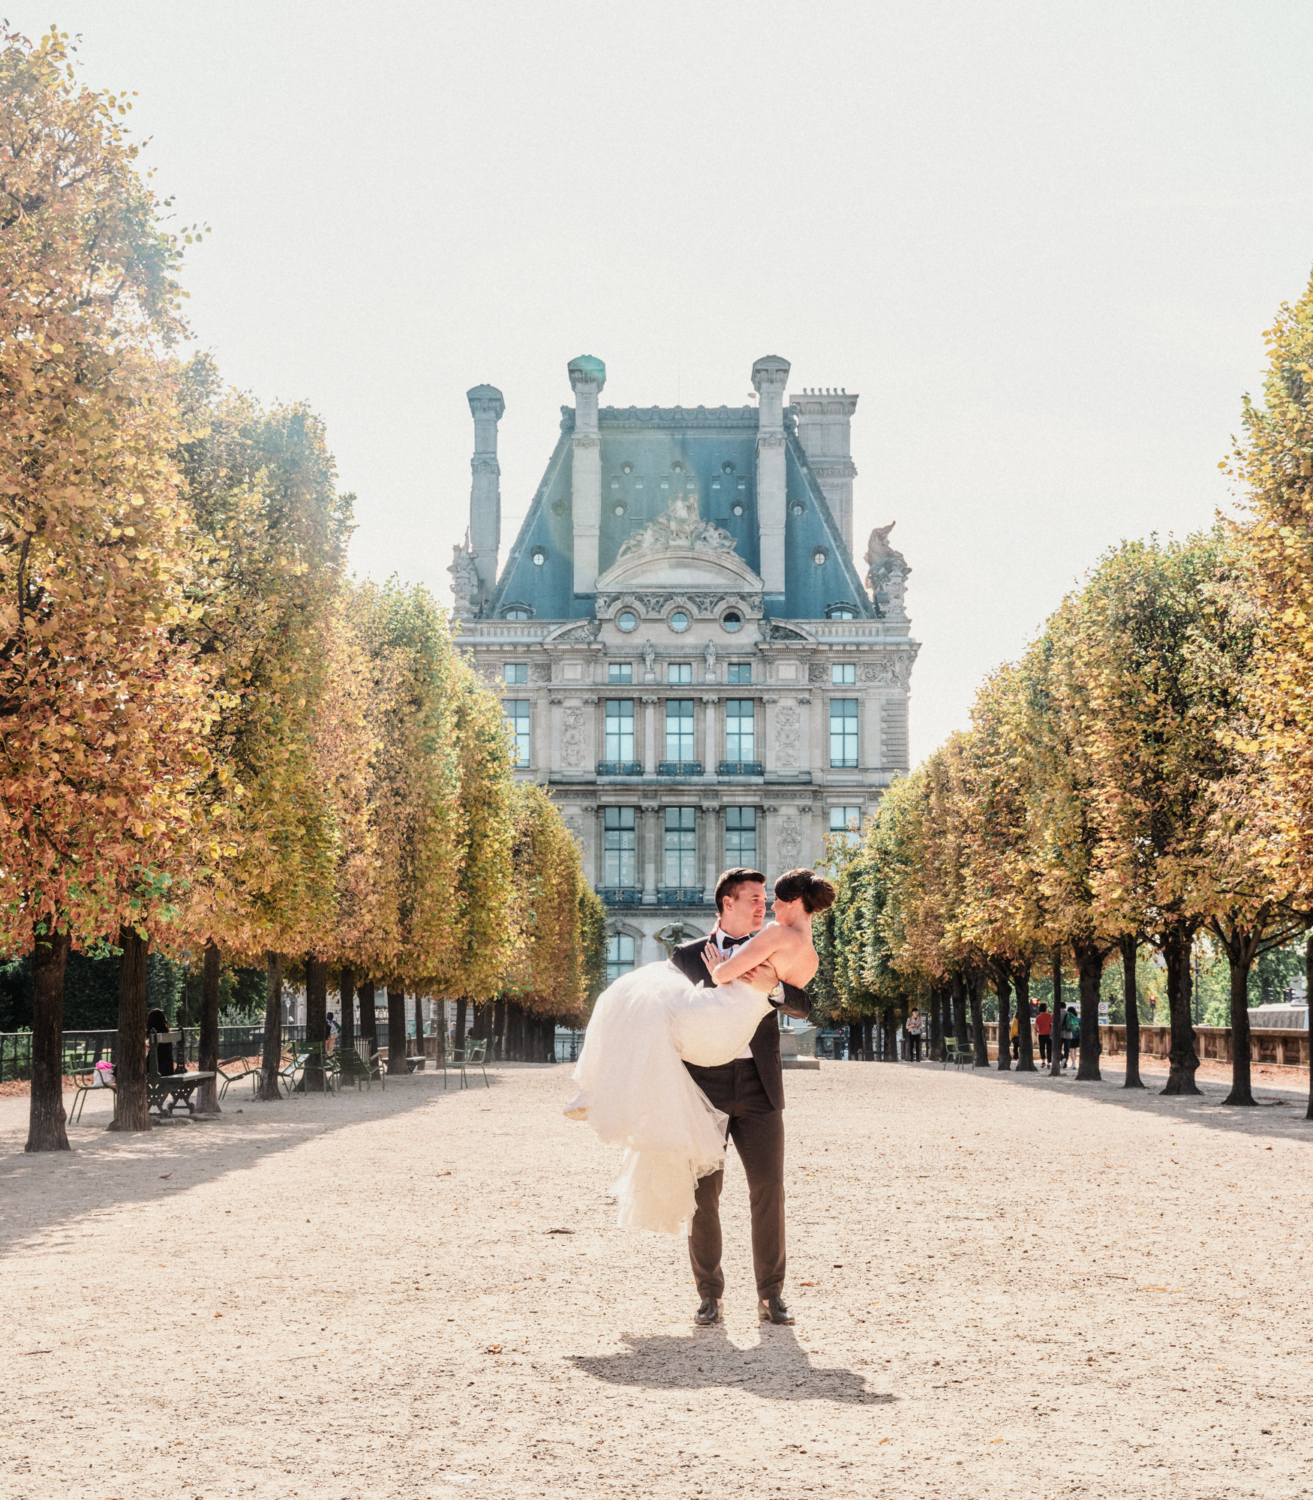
<point x="691" y="659"/>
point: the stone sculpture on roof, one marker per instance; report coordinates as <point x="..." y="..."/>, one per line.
<point x="681" y="526"/>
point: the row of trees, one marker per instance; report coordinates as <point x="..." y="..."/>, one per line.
<point x="1143" y="775"/>
<point x="212" y="739"/>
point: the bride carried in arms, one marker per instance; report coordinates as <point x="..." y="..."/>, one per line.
<point x="633" y="1087"/>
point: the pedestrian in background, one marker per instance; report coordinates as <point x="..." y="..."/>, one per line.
<point x="1070" y="1033"/>
<point x="915" y="1029"/>
<point x="1015" y="1034"/>
<point x="1044" y="1027"/>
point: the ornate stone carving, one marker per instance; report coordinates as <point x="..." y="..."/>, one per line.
<point x="540" y="671"/>
<point x="880" y="672"/>
<point x="886" y="572"/>
<point x="816" y="672"/>
<point x="485" y="465"/>
<point x="788" y="735"/>
<point x="789" y="843"/>
<point x="771" y="440"/>
<point x="464" y="581"/>
<point x="649" y="655"/>
<point x="587" y="440"/>
<point x="572" y="737"/>
<point x="709" y="656"/>
<point x="680" y="526"/>
<point x="704" y="606"/>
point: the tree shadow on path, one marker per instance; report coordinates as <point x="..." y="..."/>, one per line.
<point x="776" y="1369"/>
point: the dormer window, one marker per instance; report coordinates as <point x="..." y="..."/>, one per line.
<point x="516" y="612"/>
<point x="841" y="612"/>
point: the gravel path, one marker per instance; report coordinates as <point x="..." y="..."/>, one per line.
<point x="1005" y="1286"/>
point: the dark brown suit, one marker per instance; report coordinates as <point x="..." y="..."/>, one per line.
<point x="751" y="1092"/>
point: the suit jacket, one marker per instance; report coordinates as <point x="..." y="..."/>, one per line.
<point x="765" y="1043"/>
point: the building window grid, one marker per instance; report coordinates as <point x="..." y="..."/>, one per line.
<point x="517" y="718"/>
<point x="741" y="837"/>
<point x="846" y="824"/>
<point x="740" y="729"/>
<point x="620" y="671"/>
<point x="738" y="673"/>
<point x="619" y="956"/>
<point x="619" y="848"/>
<point x="681" y="848"/>
<point x="679" y="673"/>
<point x="844" y="674"/>
<point x="679" y="729"/>
<point x="843" y="734"/>
<point x="515" y="673"/>
<point x="620" y="729"/>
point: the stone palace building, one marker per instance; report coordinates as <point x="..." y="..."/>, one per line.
<point x="691" y="658"/>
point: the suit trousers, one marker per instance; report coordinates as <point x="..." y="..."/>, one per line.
<point x="757" y="1129"/>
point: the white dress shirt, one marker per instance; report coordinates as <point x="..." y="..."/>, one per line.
<point x="724" y="952"/>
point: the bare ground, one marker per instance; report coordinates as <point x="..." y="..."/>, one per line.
<point x="1005" y="1286"/>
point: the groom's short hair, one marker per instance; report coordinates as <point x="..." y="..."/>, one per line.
<point x="731" y="880"/>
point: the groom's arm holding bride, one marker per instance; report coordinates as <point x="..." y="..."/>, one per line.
<point x="689" y="960"/>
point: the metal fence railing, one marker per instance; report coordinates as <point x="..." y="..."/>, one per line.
<point x="83" y="1049"/>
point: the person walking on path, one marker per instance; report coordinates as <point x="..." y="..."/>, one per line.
<point x="1015" y="1035"/>
<point x="1044" y="1027"/>
<point x="1070" y="1034"/>
<point x="915" y="1029"/>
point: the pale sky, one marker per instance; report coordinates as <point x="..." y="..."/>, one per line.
<point x="1041" y="240"/>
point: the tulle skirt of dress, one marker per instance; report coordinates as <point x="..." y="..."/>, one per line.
<point x="638" y="1094"/>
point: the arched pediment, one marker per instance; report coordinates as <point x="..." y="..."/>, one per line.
<point x="679" y="567"/>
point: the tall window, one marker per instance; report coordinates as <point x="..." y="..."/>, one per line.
<point x="681" y="847"/>
<point x="741" y="837"/>
<point x="515" y="673"/>
<point x="844" y="675"/>
<point x="618" y="855"/>
<point x="517" y="717"/>
<point x="620" y="671"/>
<point x="679" y="729"/>
<point x="619" y="729"/>
<point x="619" y="956"/>
<point x="738" y="673"/>
<point x="680" y="673"/>
<point x="740" y="729"/>
<point x="846" y="823"/>
<point x="843" y="733"/>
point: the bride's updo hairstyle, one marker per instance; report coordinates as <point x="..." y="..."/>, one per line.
<point x="815" y="892"/>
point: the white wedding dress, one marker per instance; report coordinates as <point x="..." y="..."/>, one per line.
<point x="635" y="1091"/>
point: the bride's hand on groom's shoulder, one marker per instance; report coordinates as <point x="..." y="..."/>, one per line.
<point x="711" y="957"/>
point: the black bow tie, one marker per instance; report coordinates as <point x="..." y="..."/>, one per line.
<point x="729" y="942"/>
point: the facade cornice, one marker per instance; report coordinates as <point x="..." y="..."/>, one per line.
<point x="648" y="417"/>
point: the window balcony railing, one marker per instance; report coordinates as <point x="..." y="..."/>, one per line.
<point x="619" y="767"/>
<point x="739" y="768"/>
<point x="679" y="768"/>
<point x="621" y="895"/>
<point x="680" y="895"/>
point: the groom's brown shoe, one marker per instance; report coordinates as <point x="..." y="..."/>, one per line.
<point x="773" y="1310"/>
<point x="708" y="1313"/>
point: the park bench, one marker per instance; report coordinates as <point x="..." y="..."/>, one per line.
<point x="472" y="1055"/>
<point x="85" y="1079"/>
<point x="355" y="1069"/>
<point x="231" y="1078"/>
<point x="176" y="1088"/>
<point x="312" y="1056"/>
<point x="960" y="1053"/>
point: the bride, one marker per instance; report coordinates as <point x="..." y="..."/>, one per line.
<point x="634" y="1089"/>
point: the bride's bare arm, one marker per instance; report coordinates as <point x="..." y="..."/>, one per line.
<point x="757" y="950"/>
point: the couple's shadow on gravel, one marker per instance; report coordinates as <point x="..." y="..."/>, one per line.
<point x="777" y="1368"/>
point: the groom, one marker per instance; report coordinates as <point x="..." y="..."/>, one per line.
<point x="750" y="1090"/>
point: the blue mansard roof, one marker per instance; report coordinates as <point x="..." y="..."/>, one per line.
<point x="647" y="455"/>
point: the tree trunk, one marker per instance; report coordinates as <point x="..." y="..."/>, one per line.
<point x="1021" y="978"/>
<point x="1308" y="996"/>
<point x="1239" y="952"/>
<point x="419" y="1026"/>
<point x="980" y="1046"/>
<point x="368" y="1020"/>
<point x="207" y="1049"/>
<point x="396" y="1028"/>
<point x="937" y="1024"/>
<point x="497" y="1041"/>
<point x="131" y="1103"/>
<point x="960" y="1031"/>
<point x="316" y="1020"/>
<point x="1055" y="1035"/>
<point x="1181" y="1057"/>
<point x="1003" y="988"/>
<point x="346" y="990"/>
<point x="46" y="1116"/>
<point x="1131" y="993"/>
<point x="458" y="1041"/>
<point x="855" y="1049"/>
<point x="273" y="1028"/>
<point x="868" y="1046"/>
<point x="1089" y="969"/>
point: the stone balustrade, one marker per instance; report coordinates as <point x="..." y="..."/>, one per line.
<point x="1287" y="1049"/>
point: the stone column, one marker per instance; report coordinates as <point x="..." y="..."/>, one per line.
<point x="587" y="376"/>
<point x="711" y="812"/>
<point x="648" y="852"/>
<point x="766" y="745"/>
<point x="486" y="407"/>
<point x="868" y="749"/>
<point x="709" y="707"/>
<point x="769" y="376"/>
<point x="649" y="734"/>
<point x="554" y="706"/>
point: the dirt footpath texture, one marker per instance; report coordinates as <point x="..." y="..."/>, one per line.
<point x="1004" y="1286"/>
